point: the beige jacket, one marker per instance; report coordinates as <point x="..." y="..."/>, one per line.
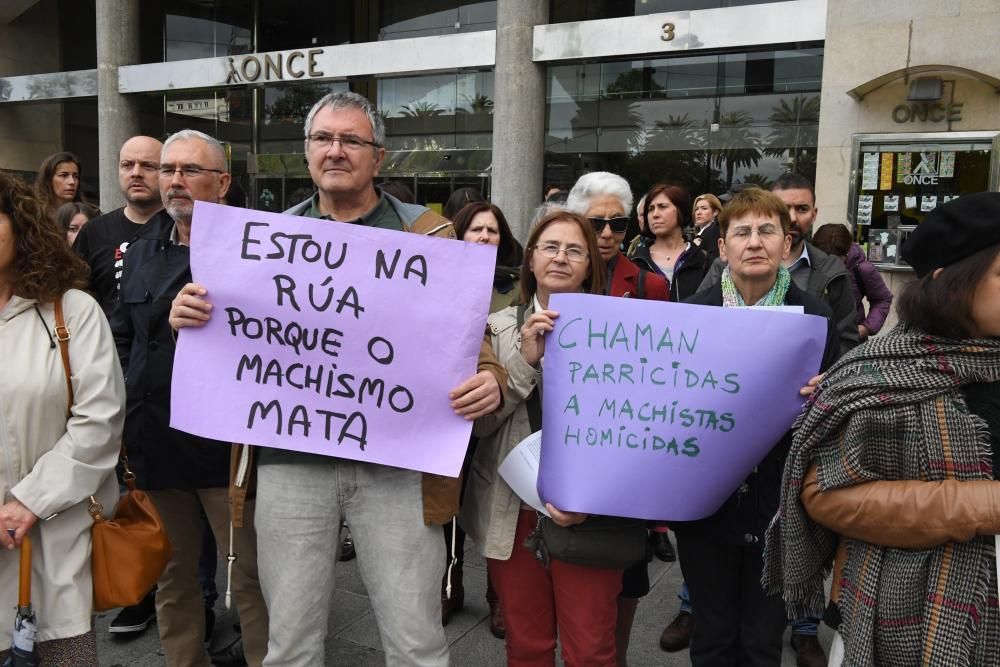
<point x="490" y="508"/>
<point x="53" y="464"/>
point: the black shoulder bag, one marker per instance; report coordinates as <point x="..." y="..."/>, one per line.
<point x="608" y="542"/>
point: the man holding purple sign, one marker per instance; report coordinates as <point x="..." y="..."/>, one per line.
<point x="394" y="514"/>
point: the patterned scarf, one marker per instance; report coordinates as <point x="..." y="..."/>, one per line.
<point x="775" y="296"/>
<point x="893" y="409"/>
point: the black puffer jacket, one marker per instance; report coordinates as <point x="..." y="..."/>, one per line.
<point x="161" y="457"/>
<point x="688" y="272"/>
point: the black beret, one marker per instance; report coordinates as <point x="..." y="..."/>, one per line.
<point x="954" y="231"/>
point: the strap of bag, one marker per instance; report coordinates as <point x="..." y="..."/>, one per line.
<point x="534" y="403"/>
<point x="62" y="336"/>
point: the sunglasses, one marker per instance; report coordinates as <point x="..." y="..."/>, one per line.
<point x="618" y="225"/>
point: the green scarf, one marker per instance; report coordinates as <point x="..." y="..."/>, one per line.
<point x="893" y="409"/>
<point x="775" y="296"/>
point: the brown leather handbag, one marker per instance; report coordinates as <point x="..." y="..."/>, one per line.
<point x="131" y="550"/>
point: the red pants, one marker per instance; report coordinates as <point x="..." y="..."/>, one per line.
<point x="581" y="602"/>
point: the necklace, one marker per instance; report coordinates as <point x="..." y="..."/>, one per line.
<point x="671" y="255"/>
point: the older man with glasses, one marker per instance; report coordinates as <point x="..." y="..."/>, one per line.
<point x="394" y="514"/>
<point x="182" y="473"/>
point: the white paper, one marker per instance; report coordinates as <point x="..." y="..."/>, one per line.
<point x="520" y="471"/>
<point x="795" y="310"/>
<point x="911" y="201"/>
<point x="928" y="203"/>
<point x="890" y="203"/>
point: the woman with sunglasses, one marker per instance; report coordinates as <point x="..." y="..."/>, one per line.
<point x="605" y="200"/>
<point x="664" y="250"/>
<point x="540" y="604"/>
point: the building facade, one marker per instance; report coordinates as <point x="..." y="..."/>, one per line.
<point x="890" y="112"/>
<point x="486" y="94"/>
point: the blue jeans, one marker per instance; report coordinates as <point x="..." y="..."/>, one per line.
<point x="805" y="626"/>
<point x="685" y="598"/>
<point x="800" y="626"/>
<point x="299" y="509"/>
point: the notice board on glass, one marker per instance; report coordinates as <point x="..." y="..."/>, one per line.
<point x="899" y="178"/>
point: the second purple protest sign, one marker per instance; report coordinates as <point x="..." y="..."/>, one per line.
<point x="660" y="410"/>
<point x="333" y="339"/>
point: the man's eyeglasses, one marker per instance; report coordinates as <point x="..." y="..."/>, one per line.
<point x="349" y="142"/>
<point x="552" y="250"/>
<point x="187" y="170"/>
<point x="618" y="225"/>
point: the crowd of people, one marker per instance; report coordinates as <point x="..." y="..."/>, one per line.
<point x="887" y="478"/>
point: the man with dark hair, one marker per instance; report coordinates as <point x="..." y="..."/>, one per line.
<point x="103" y="241"/>
<point x="813" y="270"/>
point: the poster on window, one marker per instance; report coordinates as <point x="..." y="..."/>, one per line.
<point x="885" y="182"/>
<point x="947" y="167"/>
<point x="869" y="171"/>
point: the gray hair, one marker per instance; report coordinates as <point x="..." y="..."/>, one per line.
<point x="542" y="211"/>
<point x="598" y="183"/>
<point x="638" y="207"/>
<point x="215" y="147"/>
<point x="348" y="100"/>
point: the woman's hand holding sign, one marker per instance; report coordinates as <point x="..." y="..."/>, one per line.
<point x="189" y="308"/>
<point x="811" y="385"/>
<point x="533" y="335"/>
<point x="565" y="519"/>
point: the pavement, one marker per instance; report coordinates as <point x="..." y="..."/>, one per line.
<point x="353" y="639"/>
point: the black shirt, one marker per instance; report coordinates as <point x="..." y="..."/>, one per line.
<point x="102" y="243"/>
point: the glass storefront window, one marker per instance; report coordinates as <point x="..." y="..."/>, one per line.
<point x="207" y="29"/>
<point x="563" y="11"/>
<point x="225" y="114"/>
<point x="899" y="178"/>
<point x="708" y="122"/>
<point x="437" y="111"/>
<point x="286" y="25"/>
<point x="439" y="132"/>
<point x="284" y="114"/>
<point x="399" y="19"/>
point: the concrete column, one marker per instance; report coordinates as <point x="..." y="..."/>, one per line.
<point x="117" y="114"/>
<point x="518" y="114"/>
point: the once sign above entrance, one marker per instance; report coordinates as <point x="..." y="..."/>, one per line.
<point x="440" y="53"/>
<point x="274" y="66"/>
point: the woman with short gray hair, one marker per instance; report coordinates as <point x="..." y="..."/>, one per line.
<point x="605" y="199"/>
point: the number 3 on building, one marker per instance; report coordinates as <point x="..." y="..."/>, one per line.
<point x="668" y="32"/>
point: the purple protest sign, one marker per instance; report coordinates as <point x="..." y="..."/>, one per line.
<point x="659" y="410"/>
<point x="334" y="339"/>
